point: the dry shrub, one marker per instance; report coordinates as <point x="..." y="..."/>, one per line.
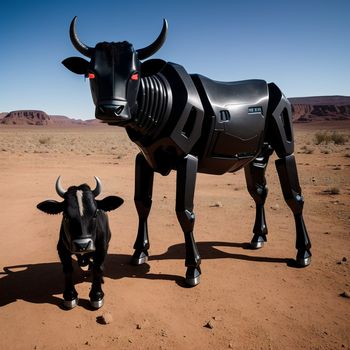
<point x="339" y="139"/>
<point x="326" y="137"/>
<point x="332" y="190"/>
<point x="307" y="150"/>
<point x="45" y="140"/>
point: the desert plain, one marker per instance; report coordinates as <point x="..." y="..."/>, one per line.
<point x="247" y="299"/>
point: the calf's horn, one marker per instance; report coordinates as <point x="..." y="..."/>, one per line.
<point x="98" y="188"/>
<point x="81" y="47"/>
<point x="156" y="45"/>
<point x="60" y="191"/>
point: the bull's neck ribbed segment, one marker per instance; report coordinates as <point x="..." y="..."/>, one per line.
<point x="153" y="104"/>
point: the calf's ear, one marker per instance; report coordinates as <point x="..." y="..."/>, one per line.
<point x="76" y="65"/>
<point x="50" y="207"/>
<point x="109" y="203"/>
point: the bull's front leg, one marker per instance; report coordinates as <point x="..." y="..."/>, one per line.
<point x="185" y="186"/>
<point x="144" y="176"/>
<point x="70" y="295"/>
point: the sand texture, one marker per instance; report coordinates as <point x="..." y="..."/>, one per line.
<point x="247" y="299"/>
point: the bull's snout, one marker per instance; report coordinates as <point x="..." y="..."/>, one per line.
<point x="83" y="245"/>
<point x="115" y="113"/>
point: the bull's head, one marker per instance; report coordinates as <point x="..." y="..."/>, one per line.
<point x="83" y="215"/>
<point x="114" y="71"/>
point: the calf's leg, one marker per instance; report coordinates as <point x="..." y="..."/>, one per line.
<point x="70" y="294"/>
<point x="96" y="294"/>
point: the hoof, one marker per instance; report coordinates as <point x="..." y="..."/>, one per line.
<point x="303" y="262"/>
<point x="303" y="259"/>
<point x="257" y="242"/>
<point x="70" y="304"/>
<point x="139" y="258"/>
<point x="192" y="282"/>
<point x="96" y="304"/>
<point x="193" y="276"/>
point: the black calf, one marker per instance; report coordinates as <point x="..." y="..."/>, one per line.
<point x="84" y="232"/>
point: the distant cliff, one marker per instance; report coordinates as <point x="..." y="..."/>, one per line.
<point x="30" y="117"/>
<point x="305" y="110"/>
<point x="37" y="117"/>
<point x="318" y="108"/>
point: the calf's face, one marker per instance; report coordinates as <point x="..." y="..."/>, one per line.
<point x="81" y="215"/>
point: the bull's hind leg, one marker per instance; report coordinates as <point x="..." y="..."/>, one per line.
<point x="185" y="186"/>
<point x="287" y="172"/>
<point x="280" y="136"/>
<point x="257" y="188"/>
<point x="144" y="176"/>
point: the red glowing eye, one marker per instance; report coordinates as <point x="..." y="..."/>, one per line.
<point x="135" y="76"/>
<point x="91" y="76"/>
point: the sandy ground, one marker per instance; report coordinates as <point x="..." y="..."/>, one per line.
<point x="253" y="299"/>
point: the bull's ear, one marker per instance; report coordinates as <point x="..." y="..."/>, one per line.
<point x="109" y="203"/>
<point x="50" y="207"/>
<point x="151" y="67"/>
<point x="76" y="65"/>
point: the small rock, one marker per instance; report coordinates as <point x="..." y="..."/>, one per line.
<point x="217" y="318"/>
<point x="163" y="333"/>
<point x="345" y="294"/>
<point x="145" y="323"/>
<point x="217" y="204"/>
<point x="209" y="324"/>
<point x="106" y="318"/>
<point x="342" y="261"/>
<point x="275" y="207"/>
<point x="230" y="345"/>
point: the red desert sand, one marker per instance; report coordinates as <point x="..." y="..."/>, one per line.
<point x="247" y="299"/>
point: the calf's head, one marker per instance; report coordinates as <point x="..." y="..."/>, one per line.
<point x="81" y="214"/>
<point x="114" y="71"/>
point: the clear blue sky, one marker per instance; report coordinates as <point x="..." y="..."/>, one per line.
<point x="302" y="46"/>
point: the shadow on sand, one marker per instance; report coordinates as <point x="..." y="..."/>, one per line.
<point x="40" y="283"/>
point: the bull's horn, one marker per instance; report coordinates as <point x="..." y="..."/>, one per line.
<point x="60" y="191"/>
<point x="98" y="188"/>
<point x="156" y="45"/>
<point x="81" y="47"/>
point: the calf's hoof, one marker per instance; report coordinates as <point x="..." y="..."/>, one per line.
<point x="139" y="258"/>
<point x="70" y="304"/>
<point x="96" y="304"/>
<point x="257" y="242"/>
<point x="303" y="258"/>
<point x="193" y="275"/>
<point x="96" y="298"/>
